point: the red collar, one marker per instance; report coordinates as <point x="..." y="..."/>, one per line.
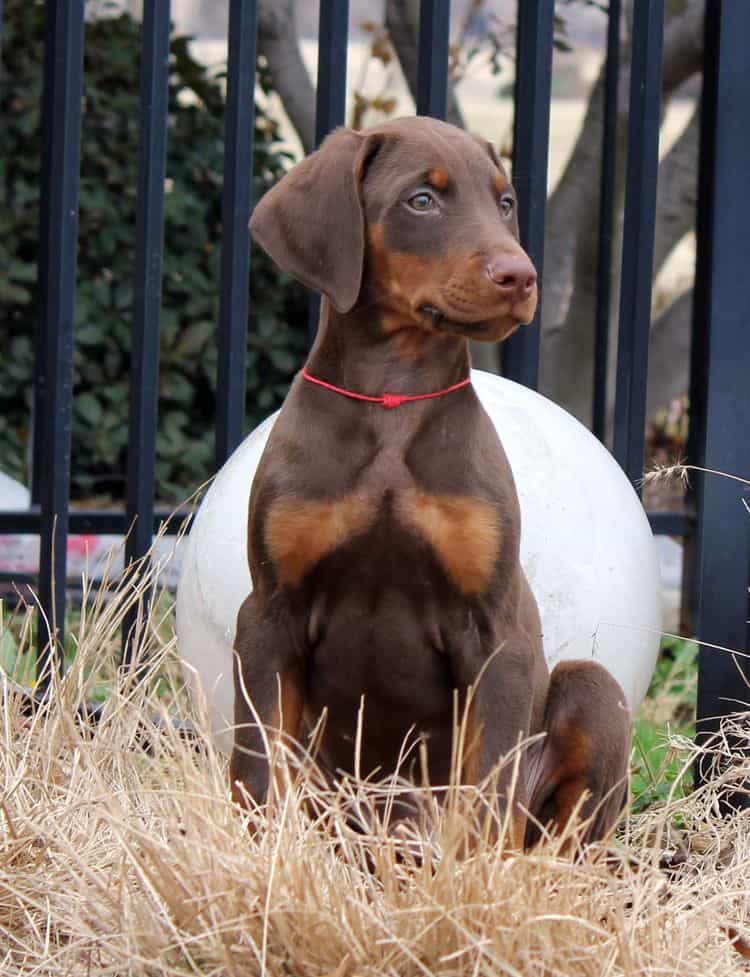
<point x="388" y="401"/>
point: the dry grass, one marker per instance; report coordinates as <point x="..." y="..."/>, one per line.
<point x="120" y="853"/>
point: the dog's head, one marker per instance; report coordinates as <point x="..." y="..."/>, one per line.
<point x="414" y="217"/>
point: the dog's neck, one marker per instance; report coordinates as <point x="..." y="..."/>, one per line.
<point x="354" y="351"/>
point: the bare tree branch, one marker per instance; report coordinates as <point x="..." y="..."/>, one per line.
<point x="402" y="22"/>
<point x="278" y="42"/>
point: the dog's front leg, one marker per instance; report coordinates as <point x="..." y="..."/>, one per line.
<point x="498" y="719"/>
<point x="269" y="693"/>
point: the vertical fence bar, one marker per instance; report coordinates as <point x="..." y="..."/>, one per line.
<point x="536" y="20"/>
<point x="57" y="281"/>
<point x="149" y="246"/>
<point x="432" y="73"/>
<point x="638" y="235"/>
<point x="724" y="534"/>
<point x="330" y="95"/>
<point x="606" y="220"/>
<point x="235" y="253"/>
<point x="48" y="173"/>
<point x="699" y="345"/>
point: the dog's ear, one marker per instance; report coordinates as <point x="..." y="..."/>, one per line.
<point x="311" y="223"/>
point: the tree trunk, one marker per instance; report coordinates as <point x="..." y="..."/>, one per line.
<point x="669" y="353"/>
<point x="571" y="246"/>
<point x="677" y="192"/>
<point x="571" y="378"/>
<point x="279" y="44"/>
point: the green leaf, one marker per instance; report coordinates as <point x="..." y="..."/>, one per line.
<point x="195" y="336"/>
<point x="88" y="407"/>
<point x="21" y="668"/>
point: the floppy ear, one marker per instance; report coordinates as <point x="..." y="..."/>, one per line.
<point x="311" y="222"/>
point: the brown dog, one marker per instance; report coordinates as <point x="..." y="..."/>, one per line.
<point x="384" y="543"/>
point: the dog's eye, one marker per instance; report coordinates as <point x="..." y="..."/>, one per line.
<point x="507" y="205"/>
<point x="421" y="201"/>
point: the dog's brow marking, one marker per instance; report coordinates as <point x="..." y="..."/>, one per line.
<point x="500" y="183"/>
<point x="438" y="177"/>
<point x="299" y="534"/>
<point x="463" y="532"/>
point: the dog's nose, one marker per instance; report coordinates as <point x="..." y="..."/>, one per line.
<point x="513" y="274"/>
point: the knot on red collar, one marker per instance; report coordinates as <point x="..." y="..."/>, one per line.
<point x="393" y="400"/>
<point x="389" y="401"/>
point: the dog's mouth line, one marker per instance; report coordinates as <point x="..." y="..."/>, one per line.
<point x="444" y="322"/>
<point x="429" y="310"/>
<point x="441" y="318"/>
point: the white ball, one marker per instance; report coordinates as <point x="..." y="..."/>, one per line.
<point x="586" y="547"/>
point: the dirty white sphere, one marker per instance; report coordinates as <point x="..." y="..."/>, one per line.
<point x="586" y="547"/>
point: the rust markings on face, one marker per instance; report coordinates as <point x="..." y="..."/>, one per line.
<point x="454" y="282"/>
<point x="396" y="279"/>
<point x="463" y="533"/>
<point x="299" y="534"/>
<point x="501" y="184"/>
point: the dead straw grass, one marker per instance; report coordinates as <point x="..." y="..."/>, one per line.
<point x="121" y="854"/>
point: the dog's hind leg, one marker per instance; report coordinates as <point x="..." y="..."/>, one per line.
<point x="580" y="767"/>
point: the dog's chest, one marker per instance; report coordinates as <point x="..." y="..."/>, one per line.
<point x="463" y="532"/>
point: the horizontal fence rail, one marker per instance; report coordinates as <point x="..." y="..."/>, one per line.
<point x="720" y="410"/>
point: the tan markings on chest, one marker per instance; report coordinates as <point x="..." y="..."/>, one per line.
<point x="463" y="532"/>
<point x="299" y="534"/>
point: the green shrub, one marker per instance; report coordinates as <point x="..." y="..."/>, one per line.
<point x="106" y="260"/>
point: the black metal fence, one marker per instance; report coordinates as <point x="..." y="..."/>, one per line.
<point x="720" y="370"/>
